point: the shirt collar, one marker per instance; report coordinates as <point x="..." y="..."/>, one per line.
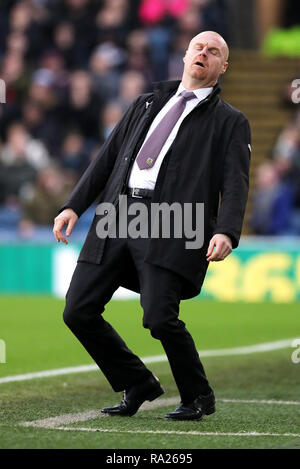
<point x="201" y="93"/>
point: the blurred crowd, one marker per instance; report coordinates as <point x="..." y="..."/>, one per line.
<point x="276" y="197"/>
<point x="71" y="68"/>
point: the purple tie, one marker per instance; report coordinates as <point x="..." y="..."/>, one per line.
<point x="151" y="148"/>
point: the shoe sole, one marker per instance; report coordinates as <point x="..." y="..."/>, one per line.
<point x="184" y="419"/>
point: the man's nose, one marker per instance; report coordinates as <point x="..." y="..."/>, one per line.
<point x="204" y="50"/>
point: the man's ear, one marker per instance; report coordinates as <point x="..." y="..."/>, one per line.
<point x="184" y="56"/>
<point x="225" y="67"/>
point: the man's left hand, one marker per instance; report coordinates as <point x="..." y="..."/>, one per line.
<point x="223" y="247"/>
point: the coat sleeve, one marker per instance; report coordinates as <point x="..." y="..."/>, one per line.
<point x="235" y="182"/>
<point x="94" y="179"/>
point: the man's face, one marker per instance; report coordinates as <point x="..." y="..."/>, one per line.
<point x="206" y="59"/>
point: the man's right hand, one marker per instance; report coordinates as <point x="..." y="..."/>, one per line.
<point x="68" y="217"/>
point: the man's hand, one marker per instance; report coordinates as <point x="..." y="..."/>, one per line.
<point x="68" y="217"/>
<point x="223" y="246"/>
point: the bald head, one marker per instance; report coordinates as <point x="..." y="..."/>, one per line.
<point x="205" y="36"/>
<point x="205" y="60"/>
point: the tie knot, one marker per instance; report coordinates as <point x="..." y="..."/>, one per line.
<point x="187" y="95"/>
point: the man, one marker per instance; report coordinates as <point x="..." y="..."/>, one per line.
<point x="180" y="144"/>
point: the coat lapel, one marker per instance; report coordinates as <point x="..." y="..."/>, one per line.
<point x="165" y="89"/>
<point x="162" y="93"/>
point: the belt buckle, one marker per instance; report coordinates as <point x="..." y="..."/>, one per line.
<point x="133" y="194"/>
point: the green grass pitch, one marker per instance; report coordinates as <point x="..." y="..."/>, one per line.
<point x="36" y="339"/>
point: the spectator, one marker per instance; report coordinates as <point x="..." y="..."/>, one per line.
<point x="22" y="21"/>
<point x="131" y="85"/>
<point x="40" y="204"/>
<point x="82" y="106"/>
<point x="16" y="79"/>
<point x="53" y="61"/>
<point x="155" y="11"/>
<point x="104" y="64"/>
<point x="287" y="143"/>
<point x="111" y="115"/>
<point x="65" y="44"/>
<point x="175" y="62"/>
<point x="74" y="154"/>
<point x="138" y="50"/>
<point x="286" y="155"/>
<point x="17" y="43"/>
<point x="273" y="202"/>
<point x="112" y="21"/>
<point x="14" y="74"/>
<point x="191" y="21"/>
<point x="42" y="91"/>
<point x="17" y="172"/>
<point x="80" y="15"/>
<point x="41" y="125"/>
<point x="21" y="147"/>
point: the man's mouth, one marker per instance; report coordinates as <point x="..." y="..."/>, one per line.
<point x="200" y="64"/>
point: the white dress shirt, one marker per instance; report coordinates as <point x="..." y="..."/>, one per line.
<point x="146" y="178"/>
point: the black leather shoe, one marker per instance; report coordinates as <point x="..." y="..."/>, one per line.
<point x="202" y="405"/>
<point x="134" y="397"/>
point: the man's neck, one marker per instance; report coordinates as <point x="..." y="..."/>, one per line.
<point x="190" y="84"/>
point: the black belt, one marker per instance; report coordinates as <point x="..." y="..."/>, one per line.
<point x="139" y="193"/>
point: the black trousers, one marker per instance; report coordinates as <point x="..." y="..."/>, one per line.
<point x="91" y="288"/>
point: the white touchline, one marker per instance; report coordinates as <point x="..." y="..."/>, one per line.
<point x="53" y="422"/>
<point x="259" y="401"/>
<point x="64" y="419"/>
<point x="176" y="432"/>
<point x="246" y="350"/>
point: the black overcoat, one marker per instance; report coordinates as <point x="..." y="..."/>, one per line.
<point x="207" y="162"/>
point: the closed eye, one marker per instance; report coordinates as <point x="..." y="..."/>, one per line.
<point x="212" y="50"/>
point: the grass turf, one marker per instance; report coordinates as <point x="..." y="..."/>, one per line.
<point x="36" y="340"/>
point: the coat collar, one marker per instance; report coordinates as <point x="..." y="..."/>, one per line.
<point x="166" y="86"/>
<point x="169" y="87"/>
